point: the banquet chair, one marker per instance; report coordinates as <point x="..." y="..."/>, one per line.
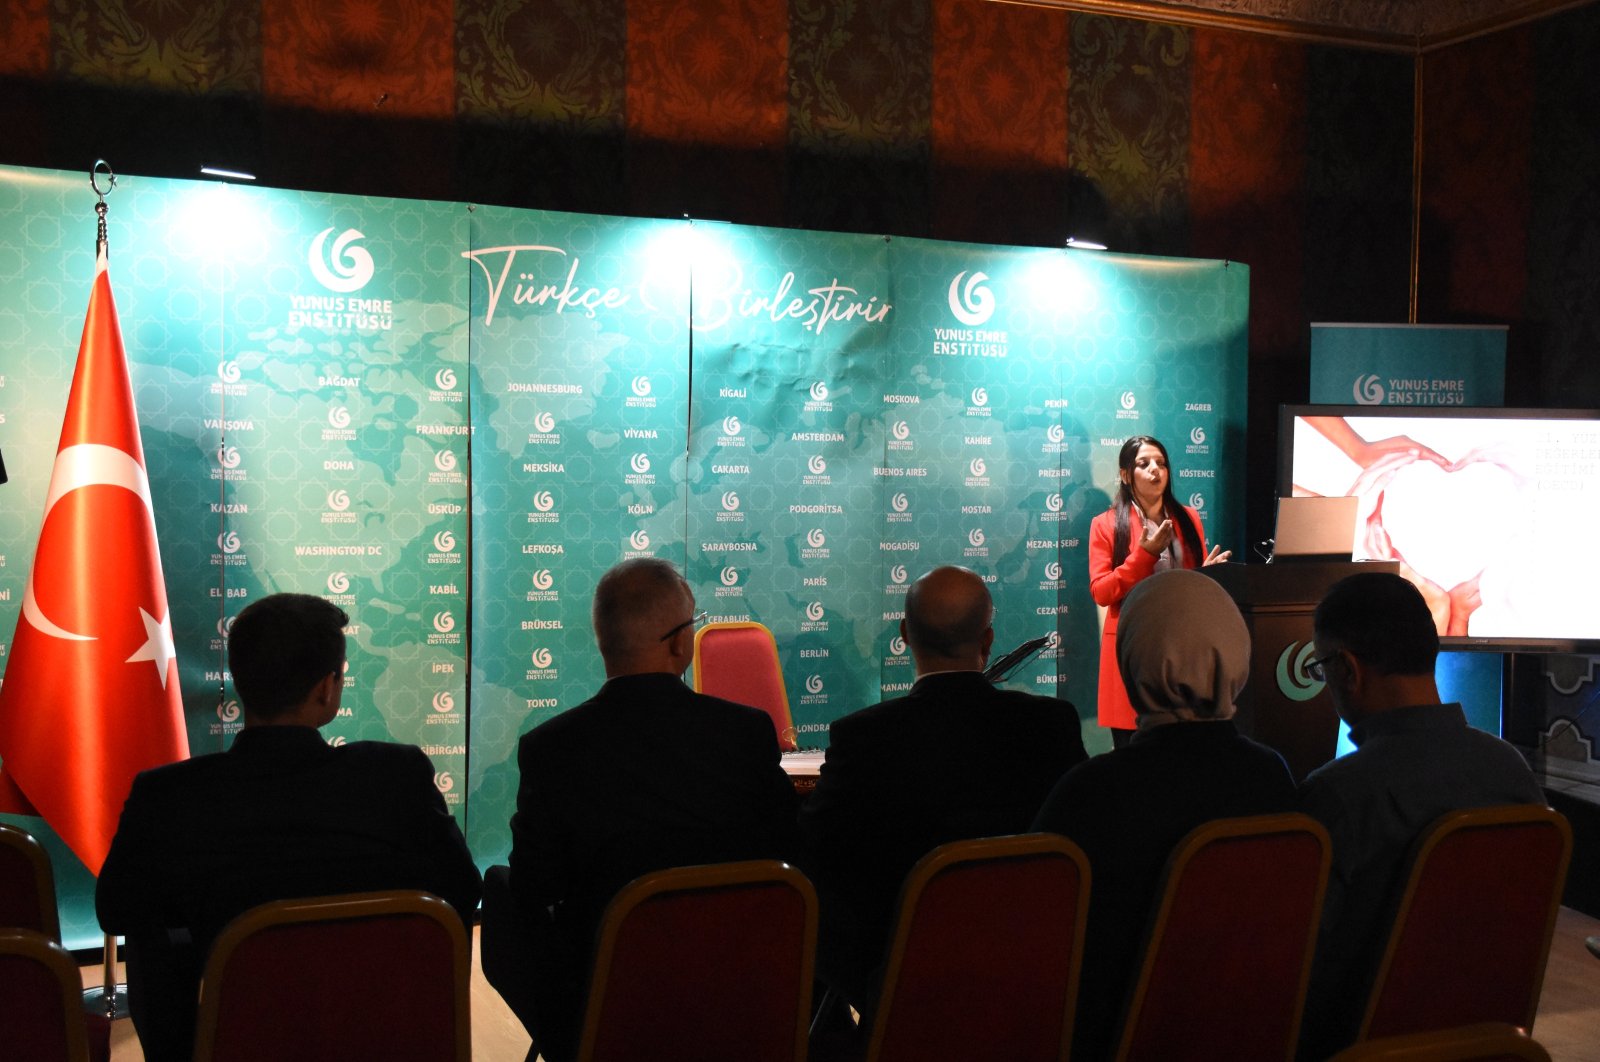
<point x="704" y="964"/>
<point x="1489" y="1042"/>
<point x="1472" y="930"/>
<point x="986" y="951"/>
<point x="739" y="662"/>
<point x="1228" y="954"/>
<point x="27" y="884"/>
<point x="41" y="1003"/>
<point x="332" y="978"/>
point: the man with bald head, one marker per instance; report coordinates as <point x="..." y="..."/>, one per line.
<point x="644" y="775"/>
<point x="955" y="758"/>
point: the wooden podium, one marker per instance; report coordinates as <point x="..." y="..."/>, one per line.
<point x="1281" y="706"/>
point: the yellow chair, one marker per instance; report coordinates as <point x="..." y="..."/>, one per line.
<point x="381" y="975"/>
<point x="739" y="662"/>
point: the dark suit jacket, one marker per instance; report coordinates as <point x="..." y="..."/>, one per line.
<point x="1127" y="810"/>
<point x="955" y="758"/>
<point x="645" y="775"/>
<point x="281" y="814"/>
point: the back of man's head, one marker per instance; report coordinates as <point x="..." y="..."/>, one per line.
<point x="280" y="647"/>
<point x="635" y="603"/>
<point x="1382" y="620"/>
<point x="948" y="618"/>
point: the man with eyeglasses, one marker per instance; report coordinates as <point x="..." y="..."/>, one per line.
<point x="644" y="775"/>
<point x="1415" y="760"/>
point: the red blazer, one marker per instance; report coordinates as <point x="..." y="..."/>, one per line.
<point x="1108" y="586"/>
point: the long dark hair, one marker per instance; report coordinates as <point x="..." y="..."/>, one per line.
<point x="1187" y="532"/>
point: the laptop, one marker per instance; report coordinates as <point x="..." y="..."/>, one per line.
<point x="1315" y="529"/>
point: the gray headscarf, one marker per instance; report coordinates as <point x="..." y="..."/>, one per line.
<point x="1182" y="648"/>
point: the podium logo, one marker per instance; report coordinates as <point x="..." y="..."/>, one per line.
<point x="1368" y="390"/>
<point x="338" y="500"/>
<point x="445" y="379"/>
<point x="972" y="303"/>
<point x="338" y="583"/>
<point x="444" y="542"/>
<point x="443" y="702"/>
<point x="342" y="267"/>
<point x="1293" y="682"/>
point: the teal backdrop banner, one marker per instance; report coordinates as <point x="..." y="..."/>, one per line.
<point x="1408" y="365"/>
<point x="450" y="420"/>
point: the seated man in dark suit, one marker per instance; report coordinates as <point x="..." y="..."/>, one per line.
<point x="954" y="759"/>
<point x="281" y="814"/>
<point x="1415" y="760"/>
<point x="1184" y="654"/>
<point x="644" y="775"/>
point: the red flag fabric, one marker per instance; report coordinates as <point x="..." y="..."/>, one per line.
<point x="91" y="696"/>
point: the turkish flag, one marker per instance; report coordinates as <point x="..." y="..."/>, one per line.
<point x="91" y="696"/>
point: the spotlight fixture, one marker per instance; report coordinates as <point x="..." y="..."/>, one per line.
<point x="1075" y="244"/>
<point x="232" y="175"/>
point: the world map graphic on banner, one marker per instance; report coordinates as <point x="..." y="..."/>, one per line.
<point x="450" y="421"/>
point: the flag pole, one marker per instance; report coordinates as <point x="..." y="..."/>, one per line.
<point x="111" y="998"/>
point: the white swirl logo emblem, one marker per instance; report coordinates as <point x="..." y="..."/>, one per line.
<point x="443" y="702"/>
<point x="980" y="396"/>
<point x="443" y="782"/>
<point x="337" y="742"/>
<point x="1293" y="682"/>
<point x="1053" y="640"/>
<point x="1052" y="571"/>
<point x="444" y="622"/>
<point x="814" y="611"/>
<point x="819" y="392"/>
<point x="1368" y="390"/>
<point x="338" y="583"/>
<point x="898" y="575"/>
<point x="978" y="467"/>
<point x="445" y="379"/>
<point x="897" y="646"/>
<point x="339" y="500"/>
<point x="1197" y="435"/>
<point x="543" y="580"/>
<point x="902" y="430"/>
<point x="640" y="463"/>
<point x="544" y="423"/>
<point x="1053" y="502"/>
<point x="975" y="536"/>
<point x="817" y="465"/>
<point x="228" y="457"/>
<point x="444" y="542"/>
<point x="730" y="576"/>
<point x="900" y="503"/>
<point x="228" y="372"/>
<point x="1127" y="400"/>
<point x="542" y="658"/>
<point x="730" y="501"/>
<point x="972" y="303"/>
<point x="1197" y="500"/>
<point x="341" y="268"/>
<point x="544" y="501"/>
<point x="445" y="461"/>
<point x="639" y="540"/>
<point x="225" y="625"/>
<point x="730" y="425"/>
<point x="1055" y="433"/>
<point x="228" y="542"/>
<point x="228" y="711"/>
<point x="641" y="386"/>
<point x="815" y="538"/>
<point x="813" y="683"/>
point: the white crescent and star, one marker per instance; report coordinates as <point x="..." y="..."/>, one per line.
<point x="95" y="465"/>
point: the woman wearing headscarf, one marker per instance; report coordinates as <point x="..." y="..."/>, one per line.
<point x="1183" y="653"/>
<point x="1145" y="531"/>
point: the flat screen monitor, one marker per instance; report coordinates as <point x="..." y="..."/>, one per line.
<point x="1490" y="512"/>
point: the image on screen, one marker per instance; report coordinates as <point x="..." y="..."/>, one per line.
<point x="1487" y="511"/>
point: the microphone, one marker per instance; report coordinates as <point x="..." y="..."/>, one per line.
<point x="1001" y="669"/>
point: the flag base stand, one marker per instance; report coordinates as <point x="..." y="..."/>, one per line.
<point x="111" y="998"/>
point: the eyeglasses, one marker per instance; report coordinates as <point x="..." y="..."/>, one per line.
<point x="1317" y="670"/>
<point x="693" y="621"/>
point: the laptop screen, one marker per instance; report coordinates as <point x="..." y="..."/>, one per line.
<point x="1315" y="529"/>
